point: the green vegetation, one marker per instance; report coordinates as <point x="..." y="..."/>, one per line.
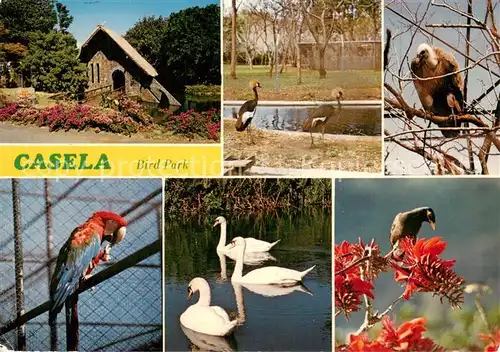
<point x="201" y="90"/>
<point x="184" y="48"/>
<point x="34" y="40"/>
<point x="355" y="84"/>
<point x="195" y="197"/>
<point x="145" y="36"/>
<point x="23" y="16"/>
<point x="52" y="60"/>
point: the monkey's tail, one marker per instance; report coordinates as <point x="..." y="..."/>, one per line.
<point x="386" y="49"/>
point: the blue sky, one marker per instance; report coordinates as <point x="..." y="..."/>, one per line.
<point x="120" y="15"/>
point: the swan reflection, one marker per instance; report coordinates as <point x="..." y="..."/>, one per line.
<point x="205" y="342"/>
<point x="276" y="290"/>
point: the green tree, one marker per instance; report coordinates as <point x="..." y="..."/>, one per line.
<point x="146" y="37"/>
<point x="23" y="16"/>
<point x="52" y="63"/>
<point x="191" y="47"/>
<point x="10" y="51"/>
<point x="64" y="19"/>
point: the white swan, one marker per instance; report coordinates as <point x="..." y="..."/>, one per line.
<point x="270" y="275"/>
<point x="253" y="245"/>
<point x="253" y="259"/>
<point x="203" y="318"/>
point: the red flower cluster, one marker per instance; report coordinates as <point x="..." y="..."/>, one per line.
<point x="191" y="123"/>
<point x="132" y="108"/>
<point x="408" y="337"/>
<point x="72" y="116"/>
<point x="7" y="111"/>
<point x="494" y="341"/>
<point x="352" y="279"/>
<point x="422" y="270"/>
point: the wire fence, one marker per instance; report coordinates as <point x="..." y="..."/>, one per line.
<point x="121" y="312"/>
<point x="343" y="56"/>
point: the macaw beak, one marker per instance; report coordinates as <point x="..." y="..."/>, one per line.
<point x="433" y="225"/>
<point x="119" y="235"/>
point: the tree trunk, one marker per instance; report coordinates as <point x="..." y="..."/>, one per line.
<point x="283" y="61"/>
<point x="233" y="41"/>
<point x="299" y="65"/>
<point x="271" y="66"/>
<point x="249" y="59"/>
<point x="322" y="71"/>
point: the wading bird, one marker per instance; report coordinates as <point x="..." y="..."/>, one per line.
<point x="408" y="223"/>
<point x="321" y="115"/>
<point x="441" y="96"/>
<point x="247" y="111"/>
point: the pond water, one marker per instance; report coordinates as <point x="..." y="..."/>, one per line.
<point x="352" y="119"/>
<point x="292" y="320"/>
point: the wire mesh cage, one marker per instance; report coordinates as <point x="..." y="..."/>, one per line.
<point x="123" y="311"/>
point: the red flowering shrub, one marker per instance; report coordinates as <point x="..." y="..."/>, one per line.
<point x="349" y="285"/>
<point x="408" y="337"/>
<point x="422" y="270"/>
<point x="8" y="110"/>
<point x="130" y="119"/>
<point x="494" y="341"/>
<point x="205" y="124"/>
<point x="72" y="116"/>
<point x="134" y="109"/>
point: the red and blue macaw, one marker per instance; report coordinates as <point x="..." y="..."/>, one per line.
<point x="82" y="252"/>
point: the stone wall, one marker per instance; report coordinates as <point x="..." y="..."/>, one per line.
<point x="103" y="57"/>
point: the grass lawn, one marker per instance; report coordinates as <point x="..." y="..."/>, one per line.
<point x="279" y="150"/>
<point x="356" y="85"/>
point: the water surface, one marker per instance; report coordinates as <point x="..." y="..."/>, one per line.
<point x="296" y="321"/>
<point x="352" y="119"/>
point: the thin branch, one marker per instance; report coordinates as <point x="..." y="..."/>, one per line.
<point x="472" y="129"/>
<point x="378" y="317"/>
<point x="356" y="262"/>
<point x="451" y="164"/>
<point x="457" y="25"/>
<point x="474" y="64"/>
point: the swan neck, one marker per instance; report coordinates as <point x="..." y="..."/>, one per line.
<point x="222" y="239"/>
<point x="205" y="296"/>
<point x="238" y="268"/>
